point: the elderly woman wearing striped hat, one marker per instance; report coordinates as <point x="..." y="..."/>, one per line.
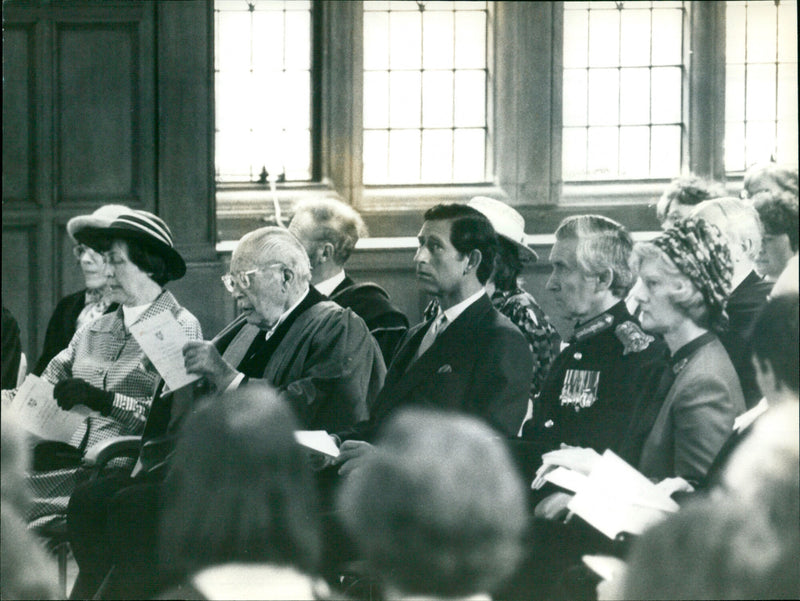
<point x="103" y="368"/>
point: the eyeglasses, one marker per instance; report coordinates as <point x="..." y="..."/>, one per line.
<point x="241" y="279"/>
<point x="79" y="249"/>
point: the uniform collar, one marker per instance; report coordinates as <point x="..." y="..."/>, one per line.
<point x="602" y="322"/>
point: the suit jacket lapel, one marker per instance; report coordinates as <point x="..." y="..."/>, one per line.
<point x="456" y="338"/>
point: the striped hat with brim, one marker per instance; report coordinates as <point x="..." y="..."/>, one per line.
<point x="102" y="217"/>
<point x="145" y="228"/>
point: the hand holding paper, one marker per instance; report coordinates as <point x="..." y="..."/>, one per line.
<point x="578" y="459"/>
<point x="318" y="441"/>
<point x="36" y="411"/>
<point x="162" y="339"/>
<point x="617" y="498"/>
<point x="202" y="358"/>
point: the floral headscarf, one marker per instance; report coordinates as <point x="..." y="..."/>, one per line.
<point x="699" y="251"/>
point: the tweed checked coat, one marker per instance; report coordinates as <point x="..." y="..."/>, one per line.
<point x="106" y="355"/>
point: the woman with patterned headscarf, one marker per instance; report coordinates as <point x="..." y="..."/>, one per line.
<point x="684" y="279"/>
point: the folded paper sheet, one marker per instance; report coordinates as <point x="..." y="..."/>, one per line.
<point x="617" y="498"/>
<point x="35" y="410"/>
<point x="317" y="440"/>
<point x="162" y="340"/>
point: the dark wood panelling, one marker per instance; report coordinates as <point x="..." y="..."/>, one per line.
<point x="18" y="113"/>
<point x="186" y="125"/>
<point x="70" y="277"/>
<point x="20" y="282"/>
<point x="100" y="128"/>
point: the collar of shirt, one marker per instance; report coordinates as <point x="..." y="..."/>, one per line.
<point x="131" y="314"/>
<point x="453" y="312"/>
<point x="283" y="316"/>
<point x="327" y="287"/>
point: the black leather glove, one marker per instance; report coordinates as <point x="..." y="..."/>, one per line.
<point x="74" y="391"/>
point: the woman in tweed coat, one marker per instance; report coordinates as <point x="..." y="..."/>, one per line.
<point x="103" y="367"/>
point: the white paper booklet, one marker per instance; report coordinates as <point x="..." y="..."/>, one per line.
<point x="317" y="440"/>
<point x="34" y="409"/>
<point x="162" y="340"/>
<point x="617" y="498"/>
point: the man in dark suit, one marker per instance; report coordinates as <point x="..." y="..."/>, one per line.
<point x="468" y="358"/>
<point x="319" y="356"/>
<point x="329" y="230"/>
<point x="739" y="223"/>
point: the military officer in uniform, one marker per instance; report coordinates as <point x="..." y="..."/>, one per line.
<point x="604" y="390"/>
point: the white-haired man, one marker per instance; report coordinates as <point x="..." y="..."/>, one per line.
<point x="317" y="353"/>
<point x="329" y="230"/>
<point x="601" y="391"/>
<point x="739" y="223"/>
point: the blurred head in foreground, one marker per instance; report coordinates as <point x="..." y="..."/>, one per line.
<point x="239" y="488"/>
<point x="439" y="509"/>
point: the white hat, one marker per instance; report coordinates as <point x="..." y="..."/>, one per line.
<point x="143" y="227"/>
<point x="507" y="222"/>
<point x="101" y="218"/>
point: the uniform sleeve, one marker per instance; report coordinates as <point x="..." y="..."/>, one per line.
<point x="703" y="420"/>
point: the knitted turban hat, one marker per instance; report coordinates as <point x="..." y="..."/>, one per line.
<point x="699" y="251"/>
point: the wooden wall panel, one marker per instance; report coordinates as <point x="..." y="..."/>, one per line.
<point x="100" y="138"/>
<point x="20" y="282"/>
<point x="68" y="272"/>
<point x="186" y="125"/>
<point x="18" y="112"/>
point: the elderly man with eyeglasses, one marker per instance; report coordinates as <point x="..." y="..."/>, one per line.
<point x="319" y="355"/>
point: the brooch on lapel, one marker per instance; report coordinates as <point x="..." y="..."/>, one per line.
<point x="580" y="388"/>
<point x="444" y="369"/>
<point x="678" y="367"/>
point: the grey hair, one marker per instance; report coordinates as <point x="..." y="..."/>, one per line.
<point x="690" y="300"/>
<point x="269" y="245"/>
<point x="737" y="220"/>
<point x="334" y="222"/>
<point x="602" y="244"/>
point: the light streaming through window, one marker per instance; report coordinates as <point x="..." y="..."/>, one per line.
<point x="622" y="94"/>
<point x="761" y="83"/>
<point x="425" y="77"/>
<point x="262" y="64"/>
